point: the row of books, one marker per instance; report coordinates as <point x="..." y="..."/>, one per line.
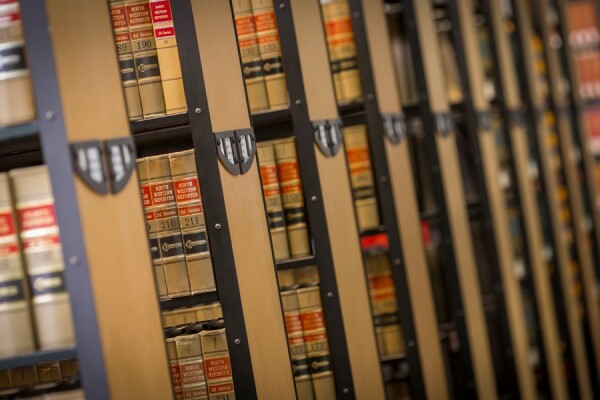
<point x="16" y="96"/>
<point x="35" y="310"/>
<point x="56" y="379"/>
<point x="175" y="224"/>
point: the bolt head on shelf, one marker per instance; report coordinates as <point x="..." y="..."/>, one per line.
<point x="217" y="226"/>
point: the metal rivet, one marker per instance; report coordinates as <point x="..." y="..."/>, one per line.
<point x="313" y="198"/>
<point x="74" y="261"/>
<point x="198" y="110"/>
<point x="356" y="14"/>
<point x="237" y="341"/>
<point x="346" y="390"/>
<point x="298" y="102"/>
<point x="330" y="295"/>
<point x="370" y="96"/>
<point x="383" y="179"/>
<point x="217" y="226"/>
<point x="411" y="343"/>
<point x="282" y="6"/>
<point x="49" y="115"/>
<point x="397" y="261"/>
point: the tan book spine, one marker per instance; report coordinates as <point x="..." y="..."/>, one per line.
<point x="292" y="197"/>
<point x="14" y="307"/>
<point x="273" y="202"/>
<point x="41" y="245"/>
<point x="217" y="365"/>
<point x="361" y="177"/>
<point x="270" y="52"/>
<point x="295" y="335"/>
<point x="191" y="365"/>
<point x="252" y="66"/>
<point x="170" y="240"/>
<point x="191" y="220"/>
<point x="16" y="95"/>
<point x="151" y="229"/>
<point x="315" y="338"/>
<point x="342" y="49"/>
<point x="126" y="63"/>
<point x="145" y="57"/>
<point x="175" y="369"/>
<point x="168" y="56"/>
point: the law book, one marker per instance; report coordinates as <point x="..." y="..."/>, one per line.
<point x="16" y="94"/>
<point x="216" y="362"/>
<point x="171" y="344"/>
<point x="295" y="336"/>
<point x="145" y="57"/>
<point x="252" y="65"/>
<point x="40" y="241"/>
<point x="292" y="197"/>
<point x="170" y="240"/>
<point x="16" y="329"/>
<point x="191" y="220"/>
<point x="188" y="315"/>
<point x="315" y="338"/>
<point x="168" y="56"/>
<point x="126" y="62"/>
<point x="361" y="177"/>
<point x="191" y="365"/>
<point x="270" y="52"/>
<point x="151" y="228"/>
<point x="403" y="60"/>
<point x="451" y="74"/>
<point x="342" y="49"/>
<point x="273" y="202"/>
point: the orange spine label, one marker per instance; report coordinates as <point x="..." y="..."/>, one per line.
<point x="218" y="368"/>
<point x="192" y="372"/>
<point x="220" y="388"/>
<point x="244" y="25"/>
<point x="288" y="171"/>
<point x="268" y="174"/>
<point x="265" y="22"/>
<point x="176" y="377"/>
<point x="312" y="320"/>
<point x="138" y="15"/>
<point x="293" y="323"/>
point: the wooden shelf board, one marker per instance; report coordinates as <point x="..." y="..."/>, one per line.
<point x="42" y="356"/>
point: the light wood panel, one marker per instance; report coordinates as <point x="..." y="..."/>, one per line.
<point x="113" y="226"/>
<point x="339" y="209"/>
<point x="407" y="211"/>
<point x="244" y="204"/>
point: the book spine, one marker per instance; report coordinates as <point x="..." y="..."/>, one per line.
<point x="342" y="49"/>
<point x="41" y="245"/>
<point x="191" y="220"/>
<point x="270" y="52"/>
<point x="170" y="240"/>
<point x="175" y="368"/>
<point x="217" y="365"/>
<point x="361" y="177"/>
<point x="145" y="57"/>
<point x="273" y="202"/>
<point x="252" y="66"/>
<point x="14" y="307"/>
<point x="151" y="229"/>
<point x="292" y="197"/>
<point x="126" y="62"/>
<point x="168" y="56"/>
<point x="295" y="335"/>
<point x="16" y="95"/>
<point x="317" y="346"/>
<point x="191" y="366"/>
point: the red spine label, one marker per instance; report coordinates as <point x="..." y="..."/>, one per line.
<point x="162" y="193"/>
<point x="220" y="388"/>
<point x="265" y="22"/>
<point x="293" y="323"/>
<point x="191" y="210"/>
<point x="7" y="224"/>
<point x="312" y="320"/>
<point x="139" y="15"/>
<point x="37" y="217"/>
<point x="218" y="368"/>
<point x="187" y="189"/>
<point x="161" y="11"/>
<point x="244" y="26"/>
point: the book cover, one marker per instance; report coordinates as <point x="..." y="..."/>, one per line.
<point x="145" y="56"/>
<point x="40" y="240"/>
<point x="191" y="366"/>
<point x="191" y="220"/>
<point x="273" y="202"/>
<point x="292" y="197"/>
<point x="125" y="56"/>
<point x="168" y="56"/>
<point x="216" y="362"/>
<point x="174" y="362"/>
<point x="17" y="336"/>
<point x="16" y="94"/>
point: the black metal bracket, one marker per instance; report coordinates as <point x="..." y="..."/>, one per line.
<point x="236" y="149"/>
<point x="106" y="166"/>
<point x="394" y="126"/>
<point x="444" y="125"/>
<point x="328" y="136"/>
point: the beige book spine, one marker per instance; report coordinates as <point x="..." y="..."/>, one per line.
<point x="315" y="338"/>
<point x="18" y="336"/>
<point x="273" y="202"/>
<point x="145" y="57"/>
<point x="191" y="366"/>
<point x="270" y="52"/>
<point x="217" y="365"/>
<point x="252" y="66"/>
<point x="175" y="369"/>
<point x="361" y="177"/>
<point x="151" y="229"/>
<point x="168" y="56"/>
<point x="40" y="240"/>
<point x="292" y="197"/>
<point x="191" y="220"/>
<point x="126" y="62"/>
<point x="451" y="74"/>
<point x="295" y="335"/>
<point x="170" y="240"/>
<point x="342" y="49"/>
<point x="16" y="95"/>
